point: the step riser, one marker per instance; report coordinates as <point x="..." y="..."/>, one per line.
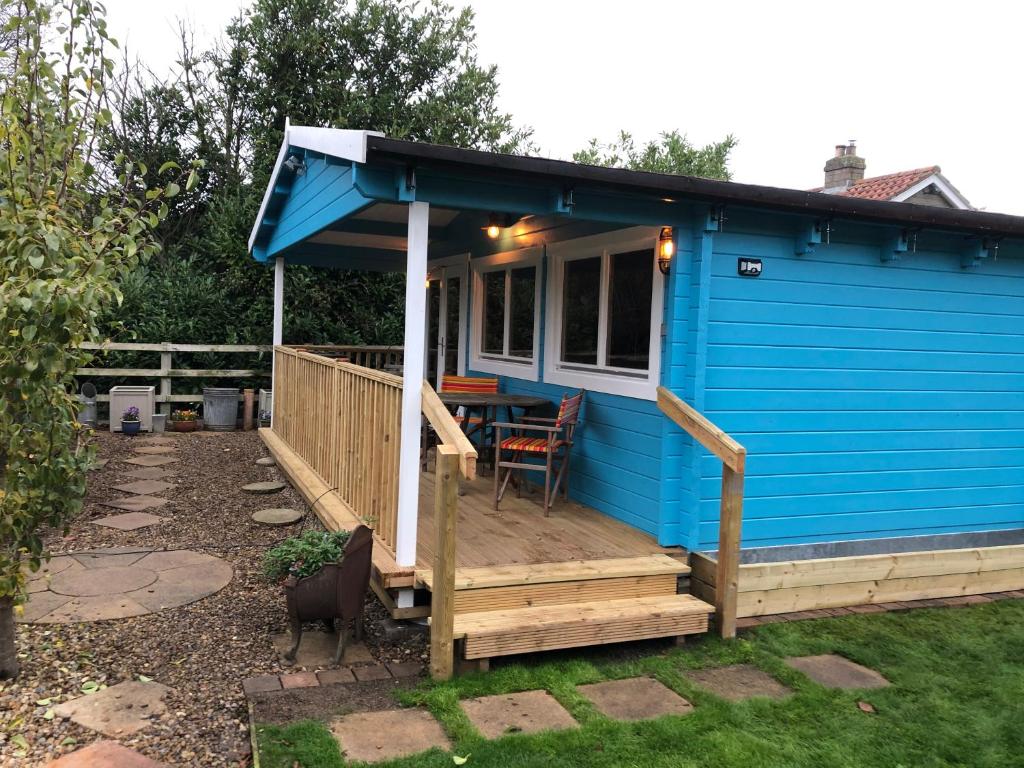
<point x="559" y="593"/>
<point x="542" y="639"/>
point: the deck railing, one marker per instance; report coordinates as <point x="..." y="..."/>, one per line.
<point x="344" y="420"/>
<point x="734" y="459"/>
<point x="379" y="358"/>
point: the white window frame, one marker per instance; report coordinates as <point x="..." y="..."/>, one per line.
<point x="505" y="365"/>
<point x="628" y="382"/>
<point x="438" y="269"/>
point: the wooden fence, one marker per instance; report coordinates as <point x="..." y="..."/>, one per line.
<point x="166" y="373"/>
<point x="344" y="420"/>
<point x="379" y="358"/>
<point x="734" y="459"/>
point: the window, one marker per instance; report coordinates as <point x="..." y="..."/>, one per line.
<point x="604" y="309"/>
<point x="506" y="313"/>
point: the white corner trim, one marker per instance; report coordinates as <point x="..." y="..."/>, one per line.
<point x="638" y="384"/>
<point x="948" y="191"/>
<point x="336" y="142"/>
<point x="501" y="365"/>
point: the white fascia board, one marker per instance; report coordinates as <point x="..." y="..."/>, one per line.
<point x="948" y="191"/>
<point x="336" y="142"/>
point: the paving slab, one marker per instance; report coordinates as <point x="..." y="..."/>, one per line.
<point x="181" y="586"/>
<point x="269" y="486"/>
<point x="375" y="736"/>
<point x="636" y="698"/>
<point x="739" y="682"/>
<point x="316" y="649"/>
<point x="834" y="671"/>
<point x="112" y="580"/>
<point x="104" y="558"/>
<point x="39" y="605"/>
<point x="277" y="517"/>
<point x="79" y="610"/>
<point x="151" y="461"/>
<point x="155" y="450"/>
<point x="266" y="461"/>
<point x="526" y="712"/>
<point x="261" y="684"/>
<point x="144" y="487"/>
<point x="130" y="521"/>
<point x="98" y="464"/>
<point x="120" y="710"/>
<point x="105" y="754"/>
<point x="135" y="503"/>
<point x="151" y="473"/>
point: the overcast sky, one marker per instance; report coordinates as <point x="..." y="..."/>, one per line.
<point x="915" y="83"/>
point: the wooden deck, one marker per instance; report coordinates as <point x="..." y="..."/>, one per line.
<point x="518" y="533"/>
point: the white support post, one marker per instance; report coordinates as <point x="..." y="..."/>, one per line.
<point x="278" y="324"/>
<point x="412" y="384"/>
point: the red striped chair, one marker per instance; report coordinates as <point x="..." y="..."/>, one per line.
<point x="555" y="444"/>
<point x="470" y="424"/>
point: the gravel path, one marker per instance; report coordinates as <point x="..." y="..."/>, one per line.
<point x="201" y="651"/>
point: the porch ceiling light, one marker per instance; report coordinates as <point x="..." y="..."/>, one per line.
<point x="666" y="249"/>
<point x="495" y="223"/>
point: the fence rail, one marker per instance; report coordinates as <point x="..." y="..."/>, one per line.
<point x="380" y="358"/>
<point x="166" y="373"/>
<point x="344" y="420"/>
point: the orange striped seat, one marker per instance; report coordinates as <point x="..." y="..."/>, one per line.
<point x="529" y="444"/>
<point x="469" y="384"/>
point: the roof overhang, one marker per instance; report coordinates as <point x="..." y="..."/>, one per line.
<point x="947" y="190"/>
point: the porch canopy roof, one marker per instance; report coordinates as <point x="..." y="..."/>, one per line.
<point x="337" y="198"/>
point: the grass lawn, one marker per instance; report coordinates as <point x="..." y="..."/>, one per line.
<point x="957" y="699"/>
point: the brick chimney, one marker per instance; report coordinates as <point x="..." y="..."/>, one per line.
<point x="844" y="169"/>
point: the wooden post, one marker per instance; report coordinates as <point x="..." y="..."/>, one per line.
<point x="249" y="395"/>
<point x="165" y="381"/>
<point x="728" y="572"/>
<point x="442" y="600"/>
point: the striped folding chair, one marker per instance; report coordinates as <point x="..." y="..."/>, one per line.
<point x="555" y="443"/>
<point x="470" y="424"/>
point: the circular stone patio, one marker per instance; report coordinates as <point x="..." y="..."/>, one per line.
<point x="120" y="583"/>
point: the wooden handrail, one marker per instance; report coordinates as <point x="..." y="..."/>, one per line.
<point x="730" y="517"/>
<point x="449" y="431"/>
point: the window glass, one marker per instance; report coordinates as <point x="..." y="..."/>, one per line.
<point x="630" y="283"/>
<point x="433" y="327"/>
<point x="494" y="313"/>
<point x="522" y="297"/>
<point x="581" y="298"/>
<point x="451" y="342"/>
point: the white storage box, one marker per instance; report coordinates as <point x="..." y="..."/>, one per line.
<point x="122" y="398"/>
<point x="266" y="405"/>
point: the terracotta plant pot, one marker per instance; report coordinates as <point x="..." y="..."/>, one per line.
<point x="130" y="427"/>
<point x="184" y="426"/>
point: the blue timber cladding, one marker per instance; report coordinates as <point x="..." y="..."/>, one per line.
<point x="874" y="399"/>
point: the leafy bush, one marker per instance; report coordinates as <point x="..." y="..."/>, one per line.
<point x="304" y="555"/>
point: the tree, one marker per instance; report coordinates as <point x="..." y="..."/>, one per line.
<point x="68" y="234"/>
<point x="671" y="153"/>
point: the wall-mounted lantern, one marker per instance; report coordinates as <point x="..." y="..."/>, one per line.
<point x="666" y="249"/>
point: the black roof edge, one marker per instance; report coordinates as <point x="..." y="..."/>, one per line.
<point x="707" y="190"/>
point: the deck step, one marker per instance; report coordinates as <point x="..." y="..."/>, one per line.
<point x="542" y="628"/>
<point x="570" y="570"/>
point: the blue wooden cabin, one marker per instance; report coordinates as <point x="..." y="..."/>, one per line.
<point x="868" y="355"/>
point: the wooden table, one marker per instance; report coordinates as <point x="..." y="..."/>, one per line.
<point x="487" y="403"/>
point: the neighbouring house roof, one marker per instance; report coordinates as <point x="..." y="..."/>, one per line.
<point x="900" y="186"/>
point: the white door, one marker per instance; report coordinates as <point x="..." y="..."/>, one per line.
<point x="447" y="295"/>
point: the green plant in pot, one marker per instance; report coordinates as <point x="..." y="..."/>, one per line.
<point x="131" y="422"/>
<point x="184" y="420"/>
<point x="325" y="576"/>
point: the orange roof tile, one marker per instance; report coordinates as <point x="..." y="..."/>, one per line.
<point x="886" y="187"/>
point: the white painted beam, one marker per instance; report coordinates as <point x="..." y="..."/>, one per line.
<point x="412" y="384"/>
<point x="278" y="323"/>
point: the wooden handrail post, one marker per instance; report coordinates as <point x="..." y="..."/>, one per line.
<point x="442" y="600"/>
<point x="730" y="525"/>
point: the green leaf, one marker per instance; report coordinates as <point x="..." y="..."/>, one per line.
<point x="43" y="702"/>
<point x="90" y="686"/>
<point x="460" y="760"/>
<point x="193" y="178"/>
<point x="48" y="715"/>
<point x="168" y="166"/>
<point x="172" y="189"/>
<point x="28" y="332"/>
<point x="144" y="679"/>
<point x="19" y="741"/>
<point x="36" y="261"/>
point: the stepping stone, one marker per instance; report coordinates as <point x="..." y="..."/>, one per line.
<point x="143" y="487"/>
<point x="739" y="682"/>
<point x="316" y="649"/>
<point x="105" y="754"/>
<point x="104" y="558"/>
<point x="266" y="461"/>
<point x="156" y="449"/>
<point x="637" y="698"/>
<point x="129" y="521"/>
<point x="151" y="473"/>
<point x="151" y="461"/>
<point x="526" y="712"/>
<point x="158" y="441"/>
<point x="135" y="503"/>
<point x="833" y="671"/>
<point x="375" y="736"/>
<point x="270" y="486"/>
<point x="118" y="711"/>
<point x="277" y="517"/>
<point x="98" y="464"/>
